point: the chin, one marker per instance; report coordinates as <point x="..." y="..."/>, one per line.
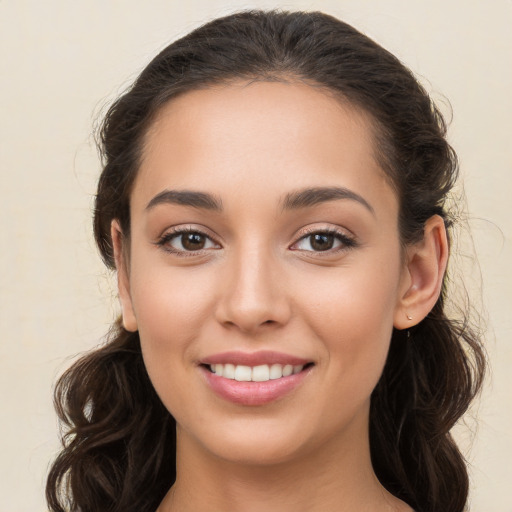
<point x="253" y="442"/>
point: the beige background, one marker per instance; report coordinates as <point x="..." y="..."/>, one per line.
<point x="62" y="61"/>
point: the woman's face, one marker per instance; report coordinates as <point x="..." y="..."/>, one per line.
<point x="264" y="241"/>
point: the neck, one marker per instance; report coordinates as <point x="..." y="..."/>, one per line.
<point x="338" y="477"/>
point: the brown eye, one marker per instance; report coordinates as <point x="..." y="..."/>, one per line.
<point x="324" y="241"/>
<point x="321" y="241"/>
<point x="193" y="241"/>
<point x="183" y="242"/>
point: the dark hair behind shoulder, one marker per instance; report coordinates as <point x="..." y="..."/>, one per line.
<point x="119" y="441"/>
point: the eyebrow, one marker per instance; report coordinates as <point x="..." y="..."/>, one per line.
<point x="293" y="201"/>
<point x="200" y="200"/>
<point x="313" y="196"/>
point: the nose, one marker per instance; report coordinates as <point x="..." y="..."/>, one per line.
<point x="254" y="294"/>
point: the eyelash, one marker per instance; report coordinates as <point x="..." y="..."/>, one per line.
<point x="346" y="241"/>
<point x="166" y="238"/>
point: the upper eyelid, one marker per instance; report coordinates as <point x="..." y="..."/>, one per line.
<point x="188" y="228"/>
<point x="300" y="234"/>
<point x="310" y="230"/>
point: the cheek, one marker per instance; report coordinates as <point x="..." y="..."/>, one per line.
<point x="172" y="308"/>
<point x="352" y="313"/>
<point x="170" y="303"/>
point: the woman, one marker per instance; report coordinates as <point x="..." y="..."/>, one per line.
<point x="273" y="201"/>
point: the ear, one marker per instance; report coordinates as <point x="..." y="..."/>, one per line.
<point x="423" y="274"/>
<point x="123" y="276"/>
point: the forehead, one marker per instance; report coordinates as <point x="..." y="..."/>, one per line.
<point x="249" y="136"/>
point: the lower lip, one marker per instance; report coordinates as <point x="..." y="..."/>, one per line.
<point x="254" y="393"/>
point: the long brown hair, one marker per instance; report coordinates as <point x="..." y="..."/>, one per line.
<point x="119" y="441"/>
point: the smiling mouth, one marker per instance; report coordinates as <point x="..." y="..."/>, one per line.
<point x="255" y="379"/>
<point x="260" y="373"/>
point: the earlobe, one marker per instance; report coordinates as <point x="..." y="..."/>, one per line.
<point x="423" y="275"/>
<point x="123" y="279"/>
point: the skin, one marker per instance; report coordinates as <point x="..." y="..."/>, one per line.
<point x="258" y="284"/>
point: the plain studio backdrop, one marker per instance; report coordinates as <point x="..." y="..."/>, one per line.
<point x="62" y="62"/>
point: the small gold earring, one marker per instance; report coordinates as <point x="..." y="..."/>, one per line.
<point x="409" y="317"/>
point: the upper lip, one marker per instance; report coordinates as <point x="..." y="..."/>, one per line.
<point x="254" y="358"/>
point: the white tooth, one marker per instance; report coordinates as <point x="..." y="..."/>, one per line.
<point x="297" y="368"/>
<point x="261" y="373"/>
<point x="287" y="370"/>
<point x="218" y="369"/>
<point x="229" y="371"/>
<point x="276" y="371"/>
<point x="243" y="373"/>
<point x="212" y="368"/>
